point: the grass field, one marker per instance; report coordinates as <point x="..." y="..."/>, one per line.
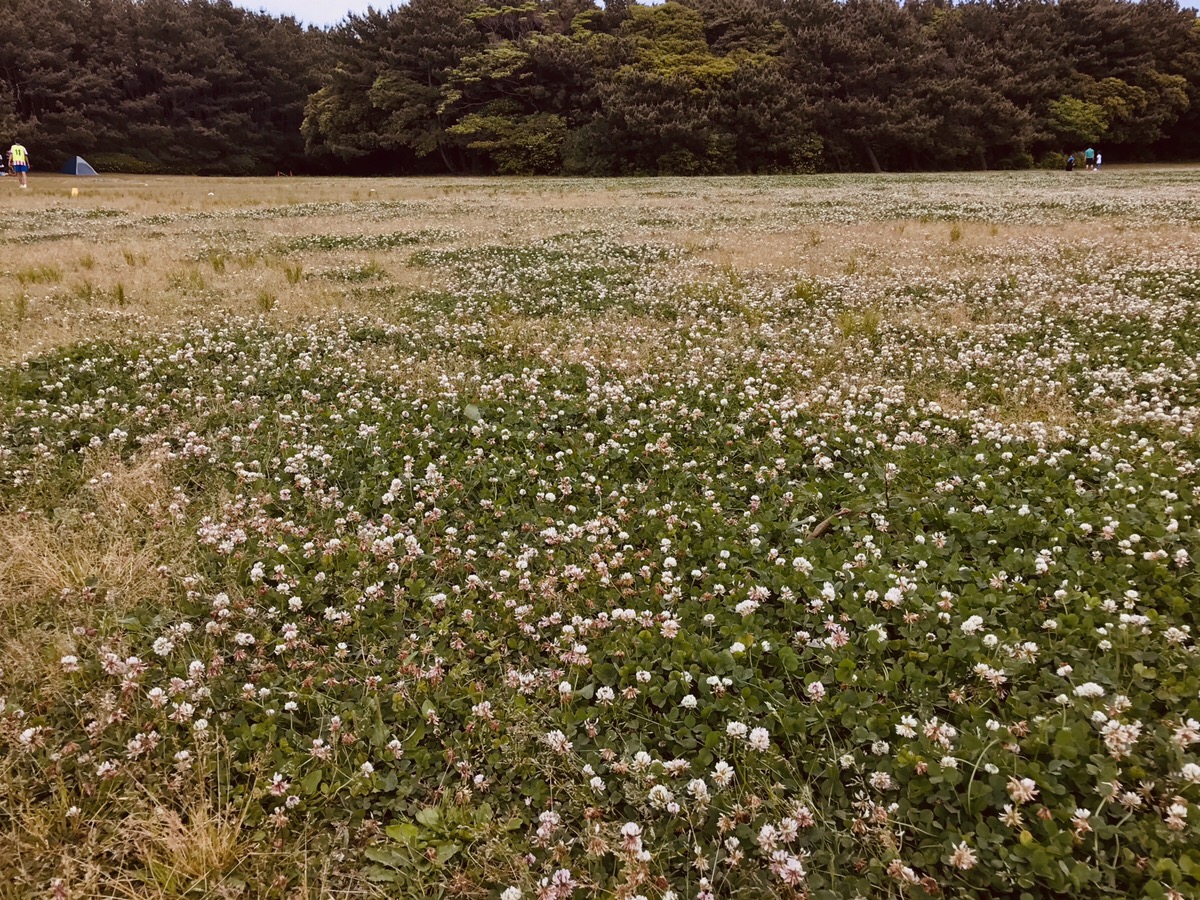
<point x="819" y="537"/>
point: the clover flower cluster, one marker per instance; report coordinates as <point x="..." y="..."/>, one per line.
<point x="652" y="580"/>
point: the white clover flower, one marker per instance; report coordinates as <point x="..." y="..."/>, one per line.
<point x="1022" y="790"/>
<point x="760" y="739"/>
<point x="660" y="795"/>
<point x="882" y="781"/>
<point x="746" y="608"/>
<point x="1190" y="772"/>
<point x="768" y="837"/>
<point x="688" y="701"/>
<point x="722" y="774"/>
<point x="1089" y="690"/>
<point x="972" y="625"/>
<point x="963" y="857"/>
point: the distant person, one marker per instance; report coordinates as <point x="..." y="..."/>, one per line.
<point x="1099" y="159"/>
<point x="18" y="158"/>
<point x="1089" y="159"/>
<point x="1071" y="163"/>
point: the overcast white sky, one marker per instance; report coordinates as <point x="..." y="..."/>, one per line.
<point x="314" y="12"/>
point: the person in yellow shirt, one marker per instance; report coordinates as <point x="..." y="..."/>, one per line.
<point x="18" y="158"/>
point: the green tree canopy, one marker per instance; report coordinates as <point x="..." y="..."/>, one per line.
<point x="580" y="86"/>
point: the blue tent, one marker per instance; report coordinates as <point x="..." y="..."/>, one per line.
<point x="77" y="165"/>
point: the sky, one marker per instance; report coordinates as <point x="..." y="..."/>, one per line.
<point x="314" y="12"/>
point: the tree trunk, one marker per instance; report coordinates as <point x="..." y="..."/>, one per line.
<point x="446" y="159"/>
<point x="871" y="157"/>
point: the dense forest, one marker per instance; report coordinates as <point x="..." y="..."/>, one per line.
<point x="580" y="87"/>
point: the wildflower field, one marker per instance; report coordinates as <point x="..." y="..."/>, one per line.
<point x="821" y="537"/>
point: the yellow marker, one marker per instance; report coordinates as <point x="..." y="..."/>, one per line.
<point x="74" y="192"/>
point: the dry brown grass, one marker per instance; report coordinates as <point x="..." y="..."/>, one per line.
<point x="935" y="315"/>
<point x="1053" y="410"/>
<point x="215" y="244"/>
<point x="108" y="539"/>
<point x="196" y="844"/>
<point x="568" y="340"/>
<point x="96" y="557"/>
<point x="881" y="248"/>
<point x="191" y="842"/>
<point x="188" y="838"/>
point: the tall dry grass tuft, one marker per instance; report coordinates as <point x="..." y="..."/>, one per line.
<point x="193" y="841"/>
<point x="190" y="846"/>
<point x="106" y="538"/>
<point x="101" y="553"/>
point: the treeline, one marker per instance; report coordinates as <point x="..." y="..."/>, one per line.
<point x="579" y="87"/>
<point x="156" y="85"/>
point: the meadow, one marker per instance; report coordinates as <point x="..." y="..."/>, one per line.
<point x="827" y="537"/>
